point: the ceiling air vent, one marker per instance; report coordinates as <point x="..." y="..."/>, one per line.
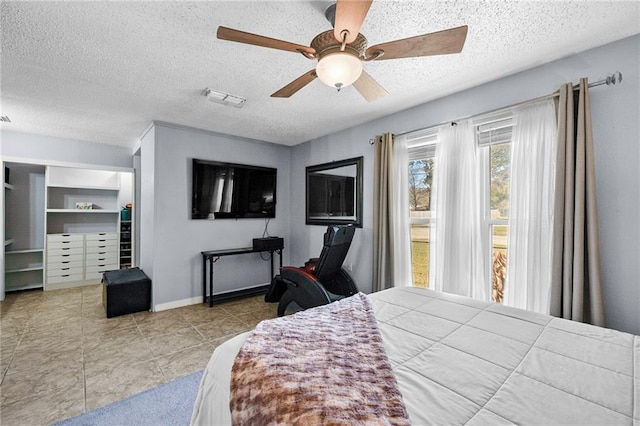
<point x="5" y="119"/>
<point x="224" y="98"/>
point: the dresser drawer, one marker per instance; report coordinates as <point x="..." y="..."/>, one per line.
<point x="65" y="278"/>
<point x="102" y="268"/>
<point x="101" y="243"/>
<point x="65" y="264"/>
<point x="101" y="236"/>
<point x="64" y="250"/>
<point x="64" y="237"/>
<point x="101" y="255"/>
<point x="63" y="271"/>
<point x="109" y="258"/>
<point x="103" y="249"/>
<point x="64" y="244"/>
<point x="66" y="257"/>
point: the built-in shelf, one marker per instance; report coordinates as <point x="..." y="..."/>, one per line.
<point x="81" y="211"/>
<point x="35" y="250"/>
<point x="8" y="186"/>
<point x="33" y="268"/>
<point x="29" y="286"/>
<point x="24" y="269"/>
<point x="74" y="186"/>
<point x="8" y="242"/>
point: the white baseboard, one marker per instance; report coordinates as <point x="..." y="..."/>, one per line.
<point x="196" y="300"/>
<point x="177" y="304"/>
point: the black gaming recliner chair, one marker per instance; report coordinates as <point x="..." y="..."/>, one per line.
<point x="322" y="280"/>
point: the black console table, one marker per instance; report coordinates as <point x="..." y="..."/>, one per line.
<point x="213" y="255"/>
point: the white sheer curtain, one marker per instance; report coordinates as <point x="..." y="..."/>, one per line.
<point x="400" y="215"/>
<point x="457" y="263"/>
<point x="533" y="164"/>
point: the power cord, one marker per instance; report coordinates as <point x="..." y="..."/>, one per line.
<point x="264" y="235"/>
<point x="266" y="225"/>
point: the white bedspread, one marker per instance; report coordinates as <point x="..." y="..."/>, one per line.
<point x="460" y="361"/>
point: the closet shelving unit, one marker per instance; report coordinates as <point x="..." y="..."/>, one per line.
<point x="41" y="212"/>
<point x="66" y="187"/>
<point x="24" y="269"/>
<point x="24" y="266"/>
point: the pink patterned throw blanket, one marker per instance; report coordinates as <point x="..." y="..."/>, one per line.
<point x="322" y="366"/>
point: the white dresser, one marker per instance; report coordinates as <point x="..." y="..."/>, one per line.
<point x="101" y="254"/>
<point x="78" y="259"/>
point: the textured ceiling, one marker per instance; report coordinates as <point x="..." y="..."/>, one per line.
<point x="102" y="71"/>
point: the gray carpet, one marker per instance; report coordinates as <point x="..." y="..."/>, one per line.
<point x="168" y="404"/>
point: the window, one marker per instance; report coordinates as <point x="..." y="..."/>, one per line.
<point x="422" y="147"/>
<point x="494" y="140"/>
<point x="493" y="136"/>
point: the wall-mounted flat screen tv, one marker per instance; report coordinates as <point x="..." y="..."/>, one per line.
<point x="232" y="191"/>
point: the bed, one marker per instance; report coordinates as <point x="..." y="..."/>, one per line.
<point x="462" y="361"/>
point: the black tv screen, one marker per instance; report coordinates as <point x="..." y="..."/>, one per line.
<point x="232" y="191"/>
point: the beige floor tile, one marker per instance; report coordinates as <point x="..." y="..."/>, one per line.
<point x="121" y="381"/>
<point x="119" y="346"/>
<point x="168" y="316"/>
<point x="63" y="331"/>
<point x="204" y="314"/>
<point x="44" y="360"/>
<point x="110" y="358"/>
<point x="100" y="328"/>
<point x="51" y="343"/>
<point x="7" y="348"/>
<point x="91" y="290"/>
<point x="222" y="328"/>
<point x="12" y="330"/>
<point x="56" y="319"/>
<point x="185" y="362"/>
<point x="125" y="335"/>
<point x="47" y="338"/>
<point x="44" y="409"/>
<point x="235" y="308"/>
<point x="22" y="384"/>
<point x="94" y="310"/>
<point x="166" y="325"/>
<point x="169" y="343"/>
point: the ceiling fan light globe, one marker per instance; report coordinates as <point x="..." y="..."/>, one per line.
<point x="339" y="69"/>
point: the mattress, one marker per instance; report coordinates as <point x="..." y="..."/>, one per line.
<point x="462" y="361"/>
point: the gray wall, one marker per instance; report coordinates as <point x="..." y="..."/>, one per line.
<point x="147" y="206"/>
<point x="170" y="249"/>
<point x="616" y="114"/>
<point x="48" y="149"/>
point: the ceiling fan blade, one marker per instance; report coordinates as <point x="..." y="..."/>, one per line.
<point x="369" y="88"/>
<point x="295" y="85"/>
<point x="230" y="34"/>
<point x="438" y="43"/>
<point x="350" y="15"/>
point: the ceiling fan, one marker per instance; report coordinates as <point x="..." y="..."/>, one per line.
<point x="341" y="51"/>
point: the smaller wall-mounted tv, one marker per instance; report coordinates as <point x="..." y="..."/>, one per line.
<point x="232" y="191"/>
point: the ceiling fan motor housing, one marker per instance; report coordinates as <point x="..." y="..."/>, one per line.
<point x="326" y="40"/>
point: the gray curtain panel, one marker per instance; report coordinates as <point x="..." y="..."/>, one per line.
<point x="382" y="199"/>
<point x="576" y="286"/>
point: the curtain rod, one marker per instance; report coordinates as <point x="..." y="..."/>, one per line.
<point x="613" y="79"/>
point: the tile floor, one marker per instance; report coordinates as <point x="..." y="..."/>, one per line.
<point x="60" y="356"/>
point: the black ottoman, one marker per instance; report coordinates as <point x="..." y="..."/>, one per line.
<point x="125" y="291"/>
